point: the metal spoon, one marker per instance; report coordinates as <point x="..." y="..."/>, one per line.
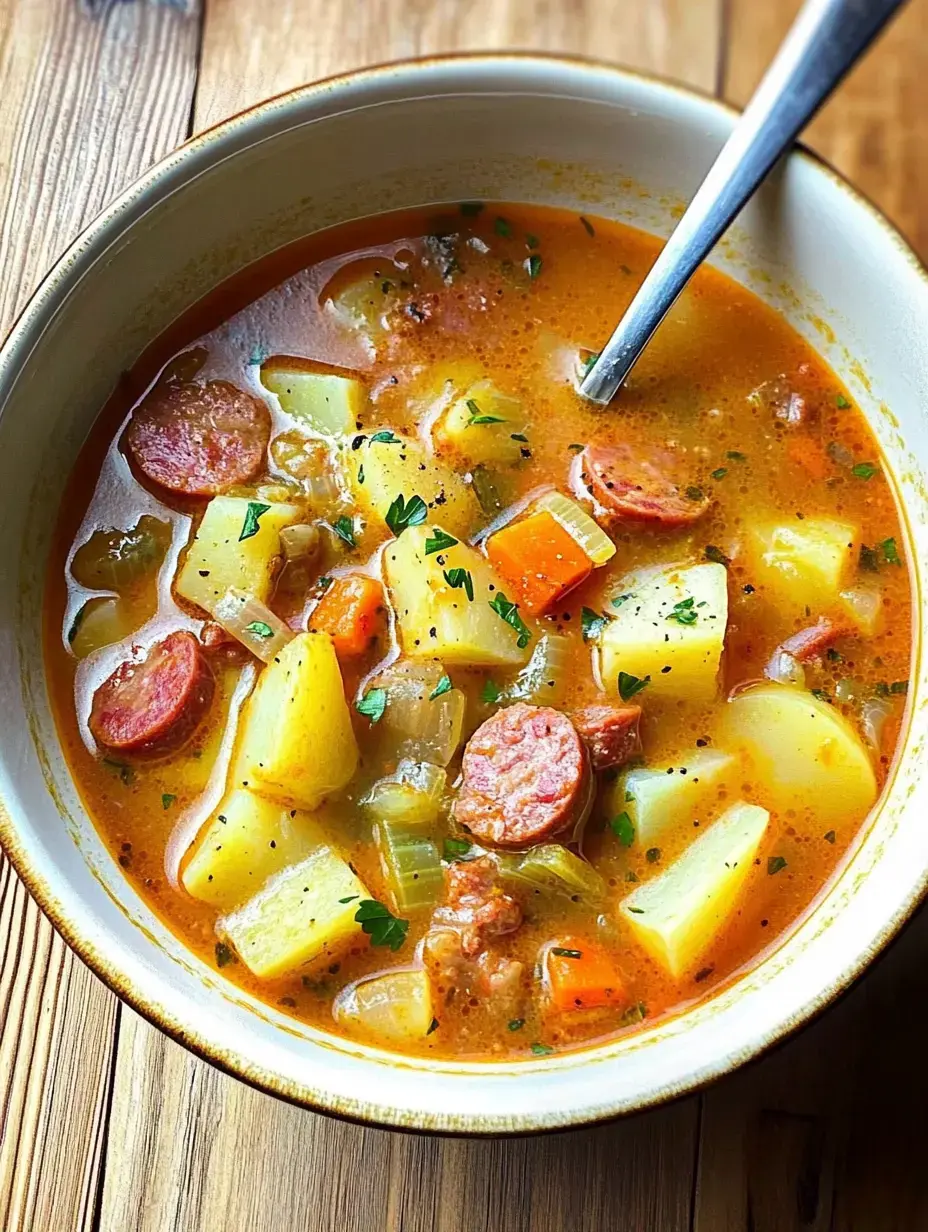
<point x="826" y="40"/>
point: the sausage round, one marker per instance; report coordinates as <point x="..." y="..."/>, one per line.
<point x="628" y="485"/>
<point x="524" y="771"/>
<point x="156" y="704"/>
<point x="199" y="440"/>
<point x="610" y="733"/>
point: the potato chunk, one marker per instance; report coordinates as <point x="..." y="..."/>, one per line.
<point x="298" y="745"/>
<point x="438" y="620"/>
<point x="325" y="402"/>
<point x="298" y="917"/>
<point x="804" y="752"/>
<point x="674" y="619"/>
<point x="803" y="562"/>
<point x="220" y="558"/>
<point x="396" y="1006"/>
<point x="482" y="424"/>
<point x="382" y="470"/>
<point x="678" y="914"/>
<point x="247" y="840"/>
<point x="659" y="800"/>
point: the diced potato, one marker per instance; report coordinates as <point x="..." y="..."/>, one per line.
<point x="249" y="837"/>
<point x="804" y="562"/>
<point x="298" y="745"/>
<point x="678" y="914"/>
<point x="219" y="558"/>
<point x="396" y="1006"/>
<point x="659" y="800"/>
<point x="804" y="753"/>
<point x="437" y="620"/>
<point x="325" y="402"/>
<point x="300" y="916"/>
<point x="466" y="430"/>
<point x="380" y="471"/>
<point x="659" y="627"/>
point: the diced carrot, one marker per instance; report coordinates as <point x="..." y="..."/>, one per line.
<point x="539" y="559"/>
<point x="580" y="975"/>
<point x="351" y="611"/>
<point x="808" y="453"/>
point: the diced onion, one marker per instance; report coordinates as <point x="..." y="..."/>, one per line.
<point x="543" y="680"/>
<point x="415" y="724"/>
<point x="784" y="669"/>
<point x="847" y="690"/>
<point x="300" y="542"/>
<point x="412" y="796"/>
<point x="395" y="1006"/>
<point x="553" y="867"/>
<point x="864" y="605"/>
<point x="873" y="715"/>
<point x="252" y="624"/>
<point x="580" y="526"/>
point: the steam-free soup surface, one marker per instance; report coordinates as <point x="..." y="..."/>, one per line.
<point x="435" y="706"/>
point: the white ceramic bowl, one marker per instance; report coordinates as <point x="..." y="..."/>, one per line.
<point x="550" y="131"/>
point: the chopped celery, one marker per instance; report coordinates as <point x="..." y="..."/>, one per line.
<point x="553" y="867"/>
<point x="411" y="865"/>
<point x="411" y="796"/>
<point x="543" y="680"/>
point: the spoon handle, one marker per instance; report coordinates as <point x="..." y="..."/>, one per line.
<point x="826" y="40"/>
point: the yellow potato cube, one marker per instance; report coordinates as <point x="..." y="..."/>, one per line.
<point x="298" y="745"/>
<point x="674" y="619"/>
<point x="219" y="557"/>
<point x="803" y="562"/>
<point x="481" y="424"/>
<point x="659" y="800"/>
<point x="677" y="915"/>
<point x="438" y="620"/>
<point x="805" y="754"/>
<point x="325" y="402"/>
<point x="382" y="470"/>
<point x="247" y="840"/>
<point x="298" y="917"/>
<point x="396" y="1006"/>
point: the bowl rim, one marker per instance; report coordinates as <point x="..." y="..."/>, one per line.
<point x="88" y="245"/>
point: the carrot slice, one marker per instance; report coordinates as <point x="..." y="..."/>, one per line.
<point x="539" y="559"/>
<point x="580" y="975"/>
<point x="810" y="456"/>
<point x="350" y="610"/>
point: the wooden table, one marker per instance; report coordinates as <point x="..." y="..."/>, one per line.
<point x="106" y="1124"/>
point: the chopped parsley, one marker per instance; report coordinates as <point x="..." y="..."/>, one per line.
<point x="864" y="470"/>
<point x="444" y="686"/>
<point x="620" y="599"/>
<point x="344" y="529"/>
<point x="439" y="541"/>
<point x="591" y="623"/>
<point x="403" y="513"/>
<point x="502" y="227"/>
<point x="716" y="555"/>
<point x="719" y="473"/>
<point x="630" y="685"/>
<point x="167" y="799"/>
<point x="533" y="265"/>
<point x="516" y="1024"/>
<point x="899" y="686"/>
<point x="775" y="864"/>
<point x="509" y="612"/>
<point x="384" y="437"/>
<point x="587" y="225"/>
<point x="736" y="456"/>
<point x="890" y="552"/>
<point x="252" y="514"/>
<point x="325" y="582"/>
<point x="455" y="849"/>
<point x="518" y="436"/>
<point x="491" y="692"/>
<point x="842" y="403"/>
<point x="457" y="578"/>
<point x="623" y="829"/>
<point x="636" y="910"/>
<point x="380" y="924"/>
<point x="684" y="612"/>
<point x="477" y="416"/>
<point x="541" y="1050"/>
<point x="350" y="898"/>
<point x="372" y="704"/>
<point x="575" y="448"/>
<point x="433" y="1026"/>
<point x="830" y="836"/>
<point x="259" y="628"/>
<point x="562" y="953"/>
<point x="695" y="494"/>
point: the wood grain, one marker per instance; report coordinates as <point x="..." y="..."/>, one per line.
<point x="90" y="97"/>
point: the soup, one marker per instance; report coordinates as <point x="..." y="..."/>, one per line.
<point x="439" y="708"/>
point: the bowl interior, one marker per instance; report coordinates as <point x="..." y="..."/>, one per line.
<point x="600" y="141"/>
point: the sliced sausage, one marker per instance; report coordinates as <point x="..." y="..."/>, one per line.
<point x="476" y="907"/>
<point x="813" y="641"/>
<point x="628" y="485"/>
<point x="199" y="440"/>
<point x="524" y="775"/>
<point x="610" y="734"/>
<point x="154" y="705"/>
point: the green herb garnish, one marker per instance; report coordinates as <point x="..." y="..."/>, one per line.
<point x="516" y="1024"/>
<point x="372" y="704"/>
<point x="380" y="924"/>
<point x="167" y="799"/>
<point x="402" y="513"/>
<point x="899" y="686"/>
<point x="623" y="829"/>
<point x="684" y="612"/>
<point x="532" y="241"/>
<point x="518" y="436"/>
<point x="562" y="953"/>
<point x="719" y="473"/>
<point x="457" y="578"/>
<point x="259" y="628"/>
<point x="868" y="559"/>
<point x="841" y="402"/>
<point x="433" y="1026"/>
<point x="491" y="692"/>
<point x="864" y="470"/>
<point x="541" y="1050"/>
<point x="890" y="552"/>
<point x="575" y="448"/>
<point x="439" y="541"/>
<point x="533" y="265"/>
<point x="695" y="494"/>
<point x="830" y="836"/>
<point x="509" y="612"/>
<point x="444" y="686"/>
<point x="502" y="227"/>
<point x="350" y="898"/>
<point x="385" y="437"/>
<point x="620" y="599"/>
<point x="736" y="456"/>
<point x="252" y="514"/>
<point x="455" y="849"/>
<point x="630" y="685"/>
<point x="591" y="624"/>
<point x="775" y="864"/>
<point x="344" y="529"/>
<point x="478" y="417"/>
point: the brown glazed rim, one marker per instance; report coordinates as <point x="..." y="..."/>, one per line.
<point x="39" y="885"/>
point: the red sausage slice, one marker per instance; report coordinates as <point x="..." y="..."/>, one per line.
<point x="199" y="440"/>
<point x="813" y="641"/>
<point x="155" y="704"/>
<point x="610" y="734"/>
<point x="476" y="906"/>
<point x="629" y="485"/>
<point x="524" y="771"/>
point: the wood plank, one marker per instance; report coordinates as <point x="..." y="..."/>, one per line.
<point x="247" y="57"/>
<point x="192" y="1148"/>
<point x="91" y="95"/>
<point x="875" y="129"/>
